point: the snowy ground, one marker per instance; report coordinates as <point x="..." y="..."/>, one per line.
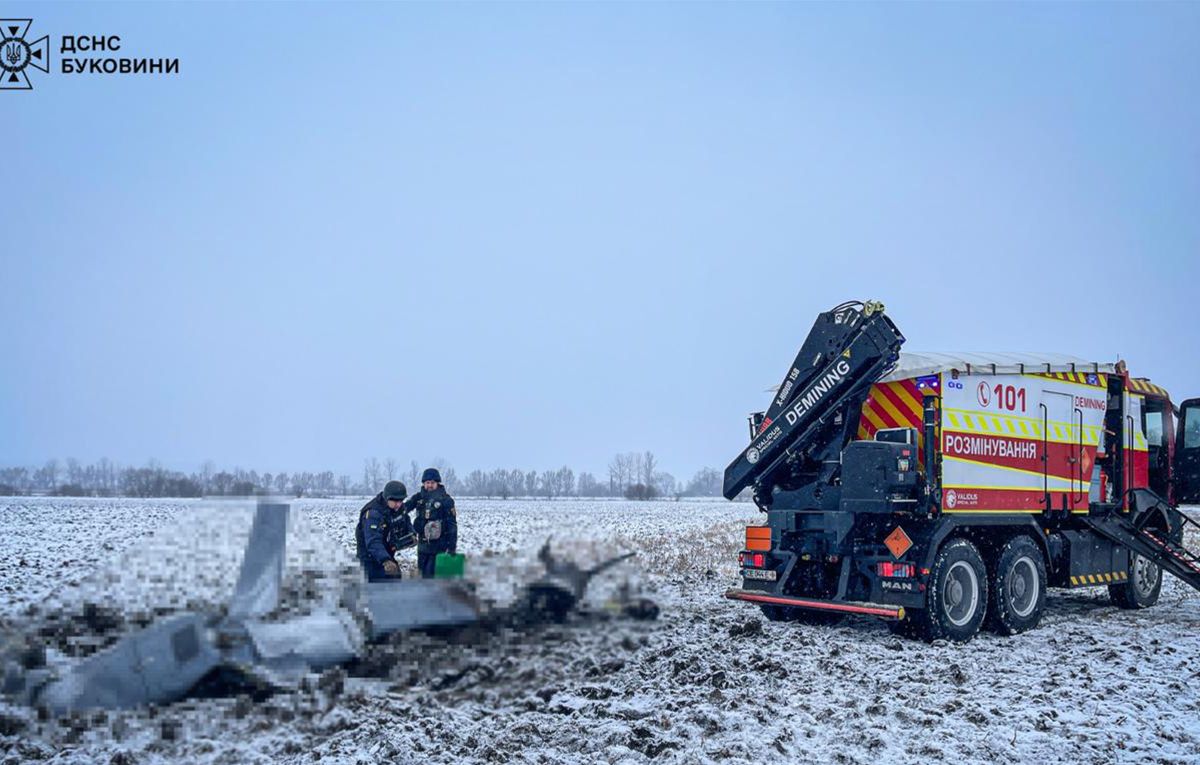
<point x="707" y="681"/>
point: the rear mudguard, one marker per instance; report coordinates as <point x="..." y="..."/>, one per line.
<point x="963" y="525"/>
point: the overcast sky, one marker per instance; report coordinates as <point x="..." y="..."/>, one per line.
<point x="529" y="235"/>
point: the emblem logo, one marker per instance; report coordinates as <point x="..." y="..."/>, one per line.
<point x="951" y="498"/>
<point x="984" y="394"/>
<point x="17" y="55"/>
<point x="752" y="455"/>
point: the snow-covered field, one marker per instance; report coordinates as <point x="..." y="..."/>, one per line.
<point x="708" y="681"/>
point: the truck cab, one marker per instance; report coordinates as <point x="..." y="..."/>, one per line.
<point x="1172" y="438"/>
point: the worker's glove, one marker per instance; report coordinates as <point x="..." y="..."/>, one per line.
<point x="433" y="530"/>
<point x="391" y="568"/>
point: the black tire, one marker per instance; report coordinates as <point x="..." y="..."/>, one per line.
<point x="1144" y="585"/>
<point x="1018" y="587"/>
<point x="956" y="600"/>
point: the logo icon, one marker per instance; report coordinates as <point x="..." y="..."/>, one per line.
<point x="951" y="499"/>
<point x="984" y="394"/>
<point x="752" y="455"/>
<point x="16" y="55"/>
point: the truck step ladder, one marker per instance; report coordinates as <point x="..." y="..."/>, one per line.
<point x="1152" y="544"/>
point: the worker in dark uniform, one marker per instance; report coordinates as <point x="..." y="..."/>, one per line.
<point x="383" y="528"/>
<point x="435" y="521"/>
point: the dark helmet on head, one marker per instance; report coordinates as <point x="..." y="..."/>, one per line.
<point x="395" y="490"/>
<point x="431" y="474"/>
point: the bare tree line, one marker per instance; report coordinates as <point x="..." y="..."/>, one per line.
<point x="632" y="475"/>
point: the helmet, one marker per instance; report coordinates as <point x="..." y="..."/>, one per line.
<point x="394" y="490"/>
<point x="431" y="474"/>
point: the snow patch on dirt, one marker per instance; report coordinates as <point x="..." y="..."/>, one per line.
<point x="708" y="681"/>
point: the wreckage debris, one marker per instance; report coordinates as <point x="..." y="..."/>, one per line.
<point x="251" y="649"/>
<point x="642" y="609"/>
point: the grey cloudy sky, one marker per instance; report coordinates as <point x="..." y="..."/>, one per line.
<point x="529" y="235"/>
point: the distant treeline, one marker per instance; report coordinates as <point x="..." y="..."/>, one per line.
<point x="634" y="475"/>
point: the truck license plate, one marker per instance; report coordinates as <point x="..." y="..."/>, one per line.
<point x="758" y="573"/>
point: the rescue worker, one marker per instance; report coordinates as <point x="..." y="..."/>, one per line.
<point x="435" y="521"/>
<point x="383" y="528"/>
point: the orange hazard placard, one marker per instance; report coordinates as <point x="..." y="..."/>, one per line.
<point x="758" y="538"/>
<point x="898" y="542"/>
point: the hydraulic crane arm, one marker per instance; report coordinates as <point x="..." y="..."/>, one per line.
<point x="848" y="349"/>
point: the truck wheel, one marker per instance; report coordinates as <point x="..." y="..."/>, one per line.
<point x="1143" y="587"/>
<point x="1018" y="587"/>
<point x="956" y="600"/>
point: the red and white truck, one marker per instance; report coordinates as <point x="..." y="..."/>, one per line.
<point x="945" y="491"/>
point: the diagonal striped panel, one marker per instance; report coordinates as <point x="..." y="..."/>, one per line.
<point x="1142" y="385"/>
<point x="898" y="404"/>
<point x="1078" y="378"/>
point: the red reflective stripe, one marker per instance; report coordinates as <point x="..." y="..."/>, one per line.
<point x="820" y="605"/>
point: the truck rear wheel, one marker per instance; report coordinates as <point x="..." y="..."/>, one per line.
<point x="1018" y="587"/>
<point x="956" y="600"/>
<point x="1143" y="587"/>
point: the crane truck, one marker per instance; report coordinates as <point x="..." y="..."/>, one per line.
<point x="947" y="492"/>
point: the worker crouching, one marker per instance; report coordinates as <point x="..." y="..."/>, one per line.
<point x="383" y="529"/>
<point x="435" y="521"/>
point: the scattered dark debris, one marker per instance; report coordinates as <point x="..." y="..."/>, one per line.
<point x="100" y="619"/>
<point x="333" y="682"/>
<point x="243" y="706"/>
<point x="976" y="717"/>
<point x="596" y="692"/>
<point x="170" y="729"/>
<point x="641" y="609"/>
<point x="226" y="681"/>
<point x="746" y="629"/>
<point x="32" y="655"/>
<point x="957" y="675"/>
<point x="11" y="724"/>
